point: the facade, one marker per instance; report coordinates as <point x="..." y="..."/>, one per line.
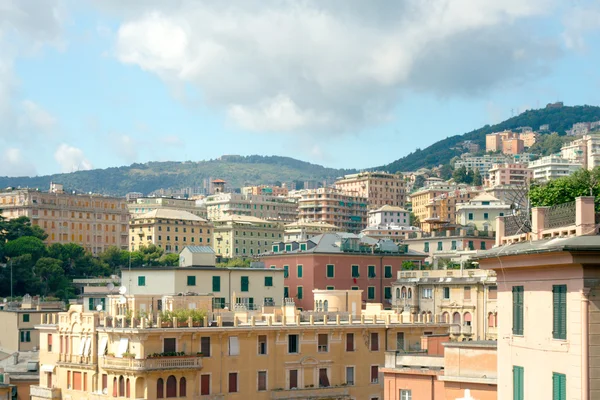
<point x="264" y="190"/>
<point x="95" y="222"/>
<point x="268" y="207"/>
<point x="493" y="142"/>
<point x="461" y="370"/>
<point x="440" y="211"/>
<point x="395" y="233"/>
<point x="298" y="231"/>
<point x="584" y="151"/>
<point x="421" y="199"/>
<point x="512" y="146"/>
<point x="465" y="298"/>
<point x="486" y="162"/>
<point x="333" y="206"/>
<point x="337" y="261"/>
<point x="552" y="167"/>
<point x="143" y="205"/>
<point x="242" y="236"/>
<point x="169" y="229"/>
<point x="389" y="215"/>
<point x="480" y="213"/>
<point x="18" y="321"/>
<point x="509" y="174"/>
<point x="380" y="188"/>
<point x="276" y="353"/>
<point x="510" y="142"/>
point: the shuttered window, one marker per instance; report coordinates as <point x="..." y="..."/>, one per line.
<point x="245" y="283"/>
<point x="268" y="281"/>
<point x="355" y="273"/>
<point x="204" y="384"/>
<point x="388" y="271"/>
<point x="517" y="293"/>
<point x="330" y="270"/>
<point x="559" y="305"/>
<point x="518" y="388"/>
<point x="262" y="380"/>
<point x="216" y="283"/>
<point x="559" y="386"/>
<point x="233" y="382"/>
<point x="372" y="271"/>
<point x="286" y="271"/>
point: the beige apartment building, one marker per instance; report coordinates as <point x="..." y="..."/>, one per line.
<point x="437" y="208"/>
<point x="245" y="236"/>
<point x="380" y="188"/>
<point x="307" y="230"/>
<point x="93" y="221"/>
<point x="265" y="190"/>
<point x="273" y="353"/>
<point x="142" y="205"/>
<point x="509" y="142"/>
<point x="223" y="205"/>
<point x="508" y="174"/>
<point x="169" y="229"/>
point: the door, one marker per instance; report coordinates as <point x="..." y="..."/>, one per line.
<point x="400" y="341"/>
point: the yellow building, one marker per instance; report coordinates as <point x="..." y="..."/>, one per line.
<point x="169" y="229"/>
<point x="380" y="188"/>
<point x="143" y="205"/>
<point x="277" y="353"/>
<point x="93" y="221"/>
<point x="268" y="207"/>
<point x="305" y="230"/>
<point x="243" y="236"/>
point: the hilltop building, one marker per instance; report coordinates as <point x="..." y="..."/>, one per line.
<point x="244" y="236"/>
<point x="552" y="167"/>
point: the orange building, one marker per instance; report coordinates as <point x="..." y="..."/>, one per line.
<point x="513" y="146"/>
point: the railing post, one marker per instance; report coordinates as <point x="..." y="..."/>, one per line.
<point x="337" y="319"/>
<point x="311" y="319"/>
<point x="174" y="322"/>
<point x="190" y="322"/>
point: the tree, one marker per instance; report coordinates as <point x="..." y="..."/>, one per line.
<point x="51" y="274"/>
<point x="446" y="172"/>
<point x="25" y="245"/>
<point x="235" y="263"/>
<point x="18" y="227"/>
<point x="460" y="175"/>
<point x="477" y="179"/>
<point x="414" y="220"/>
<point x="567" y="189"/>
<point x="408" y="265"/>
<point x="419" y="181"/>
<point x="115" y="258"/>
<point x="171" y="260"/>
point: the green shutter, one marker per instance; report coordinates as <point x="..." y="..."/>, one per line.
<point x="300" y="292"/>
<point x="216" y="283"/>
<point x="330" y="271"/>
<point x="388" y="292"/>
<point x="559" y="386"/>
<point x="559" y="305"/>
<point x="371" y="271"/>
<point x="355" y="271"/>
<point x="286" y="292"/>
<point x="141" y="281"/>
<point x="268" y="281"/>
<point x="517" y="293"/>
<point x="286" y="271"/>
<point x="28" y="336"/>
<point x="103" y="302"/>
<point x="371" y="292"/>
<point x="191" y="281"/>
<point x="388" y="271"/>
<point x="91" y="304"/>
<point x="245" y="283"/>
<point x="299" y="271"/>
<point x="518" y="388"/>
<point x="22" y="336"/>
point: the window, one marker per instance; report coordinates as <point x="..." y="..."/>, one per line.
<point x="268" y="281"/>
<point x="374" y="374"/>
<point x="372" y="271"/>
<point x="169" y="345"/>
<point x="453" y="246"/>
<point x="302" y="246"/>
<point x="446" y="293"/>
<point x="275" y="248"/>
<point x="471" y="246"/>
<point x="323" y="377"/>
<point x="330" y="270"/>
<point x="388" y="271"/>
<point x="293" y="379"/>
<point x="427" y="293"/>
<point x="355" y="272"/>
<point x="25" y="317"/>
<point x="405" y="394"/>
<point x="426" y="247"/>
<point x="244" y="283"/>
<point x="517" y="294"/>
<point x="25" y="336"/>
<point x="234" y="346"/>
<point x="502" y="214"/>
<point x="400" y="341"/>
<point x="467" y="293"/>
<point x="205" y="346"/>
<point x="518" y="388"/>
<point x="440" y="246"/>
<point x="559" y="311"/>
<point x="205" y="384"/>
<point x="482" y="246"/>
<point x="374" y="341"/>
<point x="349" y="341"/>
<point x="141" y="281"/>
<point x="268" y="301"/>
<point x="470" y="216"/>
<point x="387" y="292"/>
<point x="493" y="292"/>
<point x="350" y="376"/>
<point x="160" y="389"/>
<point x="322" y="343"/>
<point x="286" y="292"/>
<point x="485" y="216"/>
<point x="300" y="292"/>
<point x="286" y="272"/>
<point x="299" y="271"/>
<point x="559" y="386"/>
<point x="171" y="386"/>
<point x="293" y="344"/>
<point x="191" y="281"/>
<point x="354" y="288"/>
<point x="371" y="292"/>
<point x="218" y="303"/>
<point x="216" y="283"/>
<point x="49" y="343"/>
<point x="182" y="387"/>
<point x="262" y="344"/>
<point x="262" y="381"/>
<point x="233" y="382"/>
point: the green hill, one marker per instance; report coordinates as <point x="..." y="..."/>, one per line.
<point x="236" y="170"/>
<point x="560" y="120"/>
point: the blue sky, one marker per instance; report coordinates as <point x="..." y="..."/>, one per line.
<point x="97" y="84"/>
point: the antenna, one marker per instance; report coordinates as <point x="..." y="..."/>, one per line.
<point x="122" y="290"/>
<point x="110" y="287"/>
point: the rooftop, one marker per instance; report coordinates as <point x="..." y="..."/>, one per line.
<point x="577" y="243"/>
<point x="388" y="208"/>
<point x="200" y="249"/>
<point x="169" y="213"/>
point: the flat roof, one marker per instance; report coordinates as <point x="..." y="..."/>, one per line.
<point x="198" y="268"/>
<point x="472" y="343"/>
<point x="577" y="243"/>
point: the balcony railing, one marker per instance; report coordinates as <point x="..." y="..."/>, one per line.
<point x="44" y="392"/>
<point x="151" y="364"/>
<point x="560" y="215"/>
<point x="331" y="392"/>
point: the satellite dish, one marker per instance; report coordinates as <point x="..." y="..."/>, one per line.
<point x="122" y="300"/>
<point x="5" y="299"/>
<point x="110" y="286"/>
<point x="99" y="307"/>
<point x="122" y="290"/>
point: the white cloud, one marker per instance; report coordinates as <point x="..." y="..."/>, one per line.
<point x="126" y="147"/>
<point x="35" y="117"/>
<point x="71" y="158"/>
<point x="172" y="140"/>
<point x="15" y="164"/>
<point x="579" y="22"/>
<point x="335" y="66"/>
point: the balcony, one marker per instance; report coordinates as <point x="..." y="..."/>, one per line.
<point x="329" y="393"/>
<point x="151" y="364"/>
<point x="41" y="392"/>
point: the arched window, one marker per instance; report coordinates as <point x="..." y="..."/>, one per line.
<point x="403" y="292"/>
<point x="121" y="386"/>
<point x="409" y="293"/>
<point x="456" y="318"/>
<point x="127" y="389"/>
<point x="115" y="387"/>
<point x="467" y="319"/>
<point x="397" y="293"/>
<point x="490" y="320"/>
<point x="171" y="386"/>
<point x="160" y="388"/>
<point x="326" y="305"/>
<point x="446" y="317"/>
<point x="182" y="387"/>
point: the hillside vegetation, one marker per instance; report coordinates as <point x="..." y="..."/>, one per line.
<point x="560" y="120"/>
<point x="236" y="170"/>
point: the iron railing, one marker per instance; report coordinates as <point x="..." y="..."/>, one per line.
<point x="560" y="215"/>
<point x="515" y="225"/>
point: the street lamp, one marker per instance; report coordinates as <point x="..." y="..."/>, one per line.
<point x="11" y="276"/>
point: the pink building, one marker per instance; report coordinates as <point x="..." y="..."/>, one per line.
<point x="340" y="261"/>
<point x="508" y="174"/>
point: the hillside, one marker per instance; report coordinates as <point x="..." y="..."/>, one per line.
<point x="236" y="170"/>
<point x="560" y="120"/>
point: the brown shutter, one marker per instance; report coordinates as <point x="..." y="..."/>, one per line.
<point x="293" y="378"/>
<point x="232" y="382"/>
<point x="205" y="384"/>
<point x="350" y="342"/>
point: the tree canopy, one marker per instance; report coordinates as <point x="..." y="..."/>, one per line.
<point x="564" y="190"/>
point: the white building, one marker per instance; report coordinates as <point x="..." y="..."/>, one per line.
<point x="389" y="215"/>
<point x="224" y="205"/>
<point x="585" y="151"/>
<point x="486" y="162"/>
<point x="480" y="213"/>
<point x="552" y="167"/>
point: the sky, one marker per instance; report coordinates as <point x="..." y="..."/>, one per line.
<point x="342" y="83"/>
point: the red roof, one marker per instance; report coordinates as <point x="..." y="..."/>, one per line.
<point x="219" y="181"/>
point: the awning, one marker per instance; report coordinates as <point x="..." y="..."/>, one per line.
<point x="88" y="346"/>
<point x="47" y="368"/>
<point x="123" y="346"/>
<point x="102" y="347"/>
<point x="82" y="341"/>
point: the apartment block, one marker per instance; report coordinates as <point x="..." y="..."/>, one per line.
<point x="509" y="142"/>
<point x="584" y="151"/>
<point x="244" y="236"/>
<point x="169" y="229"/>
<point x="380" y="188"/>
<point x="552" y="167"/>
<point x="142" y="205"/>
<point x="333" y="206"/>
<point x="508" y="174"/>
<point x="299" y="231"/>
<point x="480" y="213"/>
<point x="93" y="221"/>
<point x="265" y="190"/>
<point x="223" y="205"/>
